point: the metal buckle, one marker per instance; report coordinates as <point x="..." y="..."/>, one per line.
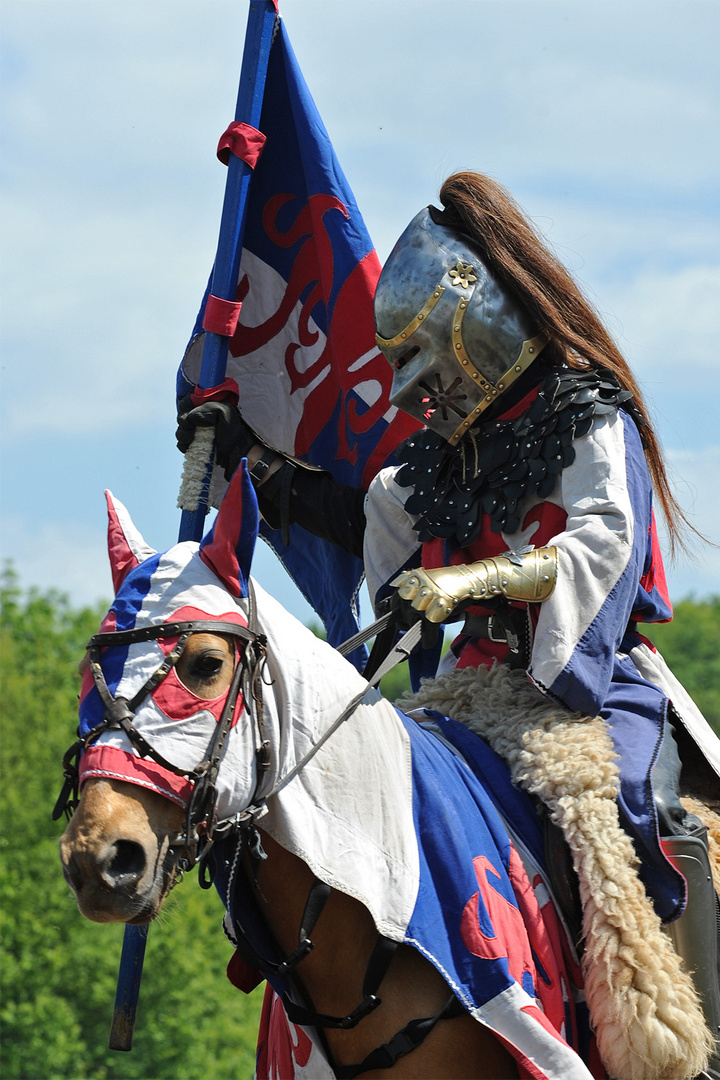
<point x="502" y="639"/>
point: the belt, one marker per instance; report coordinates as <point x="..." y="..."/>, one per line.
<point x="510" y="627"/>
<point x="485" y="626"/>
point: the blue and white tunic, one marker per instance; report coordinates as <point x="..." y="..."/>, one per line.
<point x="586" y="651"/>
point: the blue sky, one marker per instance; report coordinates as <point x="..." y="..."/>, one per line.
<point x="601" y="117"/>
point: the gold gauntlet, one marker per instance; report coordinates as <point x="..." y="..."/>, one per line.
<point x="527" y="576"/>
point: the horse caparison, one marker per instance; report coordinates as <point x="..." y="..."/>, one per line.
<point x="384" y="822"/>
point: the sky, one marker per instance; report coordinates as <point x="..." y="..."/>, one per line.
<point x="600" y="117"/>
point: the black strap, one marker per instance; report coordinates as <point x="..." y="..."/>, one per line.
<point x="317" y="898"/>
<point x="172" y="629"/>
<point x="378" y="964"/>
<point x="381" y="647"/>
<point x="287" y="478"/>
<point x="506" y="624"/>
<point x="403" y="1042"/>
<point x="261" y="466"/>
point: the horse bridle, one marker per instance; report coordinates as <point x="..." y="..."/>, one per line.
<point x="202" y="831"/>
<point x="201" y="826"/>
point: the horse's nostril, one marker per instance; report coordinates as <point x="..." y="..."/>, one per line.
<point x="125" y="864"/>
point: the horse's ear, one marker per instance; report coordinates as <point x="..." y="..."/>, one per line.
<point x="126" y="546"/>
<point x="228" y="547"/>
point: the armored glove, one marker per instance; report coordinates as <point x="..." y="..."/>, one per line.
<point x="527" y="576"/>
<point x="233" y="437"/>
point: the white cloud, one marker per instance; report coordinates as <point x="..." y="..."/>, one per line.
<point x="694" y="479"/>
<point x="669" y="321"/>
<point x="599" y="117"/>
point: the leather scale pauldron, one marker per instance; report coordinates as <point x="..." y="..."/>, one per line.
<point x="499" y="464"/>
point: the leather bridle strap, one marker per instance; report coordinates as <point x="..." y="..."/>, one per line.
<point x="378" y="964"/>
<point x="317" y="898"/>
<point x="119" y="711"/>
<point x="402" y="1042"/>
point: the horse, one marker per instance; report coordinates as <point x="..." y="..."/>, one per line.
<point x="379" y="869"/>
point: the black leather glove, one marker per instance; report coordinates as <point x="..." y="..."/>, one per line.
<point x="233" y="437"/>
<point x="405" y="616"/>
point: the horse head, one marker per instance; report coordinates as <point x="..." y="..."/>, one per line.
<point x="162" y="700"/>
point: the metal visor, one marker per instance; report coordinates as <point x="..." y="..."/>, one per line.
<point x="435" y="380"/>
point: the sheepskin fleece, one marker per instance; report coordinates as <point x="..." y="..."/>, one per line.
<point x="646" y="1013"/>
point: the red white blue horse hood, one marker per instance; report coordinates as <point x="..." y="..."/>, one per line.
<point x="188" y="582"/>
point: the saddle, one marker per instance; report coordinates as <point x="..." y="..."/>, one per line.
<point x="646" y="1012"/>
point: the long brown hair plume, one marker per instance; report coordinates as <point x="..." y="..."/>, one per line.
<point x="520" y="259"/>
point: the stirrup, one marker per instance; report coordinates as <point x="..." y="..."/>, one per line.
<point x="695" y="933"/>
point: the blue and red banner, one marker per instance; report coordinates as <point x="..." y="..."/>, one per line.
<point x="310" y="379"/>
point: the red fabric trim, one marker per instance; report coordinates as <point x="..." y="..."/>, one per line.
<point x="520" y="407"/>
<point x="655" y="576"/>
<point x="224" y="391"/>
<point x="221" y="316"/>
<point x="122" y="558"/>
<point x="242" y="140"/>
<point x="243" y="976"/>
<point x="112" y="763"/>
<point x="646" y="641"/>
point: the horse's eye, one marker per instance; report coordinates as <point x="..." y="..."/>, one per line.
<point x="207" y="667"/>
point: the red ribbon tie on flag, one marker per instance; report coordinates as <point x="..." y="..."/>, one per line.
<point x="242" y="140"/>
<point x="221" y="316"/>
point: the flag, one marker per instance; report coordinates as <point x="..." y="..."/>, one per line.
<point x="309" y="377"/>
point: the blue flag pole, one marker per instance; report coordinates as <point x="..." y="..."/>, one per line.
<point x="258" y="40"/>
<point x="253" y="74"/>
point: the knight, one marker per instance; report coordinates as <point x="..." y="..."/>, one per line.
<point x="524" y="507"/>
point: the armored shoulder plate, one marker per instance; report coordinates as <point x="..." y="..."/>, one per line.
<point x="498" y="465"/>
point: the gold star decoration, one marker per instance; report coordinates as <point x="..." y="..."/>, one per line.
<point x="462" y="275"/>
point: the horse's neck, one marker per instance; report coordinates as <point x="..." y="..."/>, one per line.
<point x="330" y="979"/>
<point x="342" y="938"/>
<point x="348" y="812"/>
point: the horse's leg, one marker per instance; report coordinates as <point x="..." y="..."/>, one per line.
<point x="332" y="978"/>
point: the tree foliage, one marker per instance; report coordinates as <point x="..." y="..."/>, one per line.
<point x="59" y="971"/>
<point x="691" y="647"/>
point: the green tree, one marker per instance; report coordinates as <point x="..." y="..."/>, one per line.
<point x="59" y="971"/>
<point x="691" y="646"/>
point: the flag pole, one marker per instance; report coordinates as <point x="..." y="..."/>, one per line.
<point x="261" y="25"/>
<point x="253" y="74"/>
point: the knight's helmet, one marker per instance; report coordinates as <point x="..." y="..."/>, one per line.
<point x="454" y="336"/>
